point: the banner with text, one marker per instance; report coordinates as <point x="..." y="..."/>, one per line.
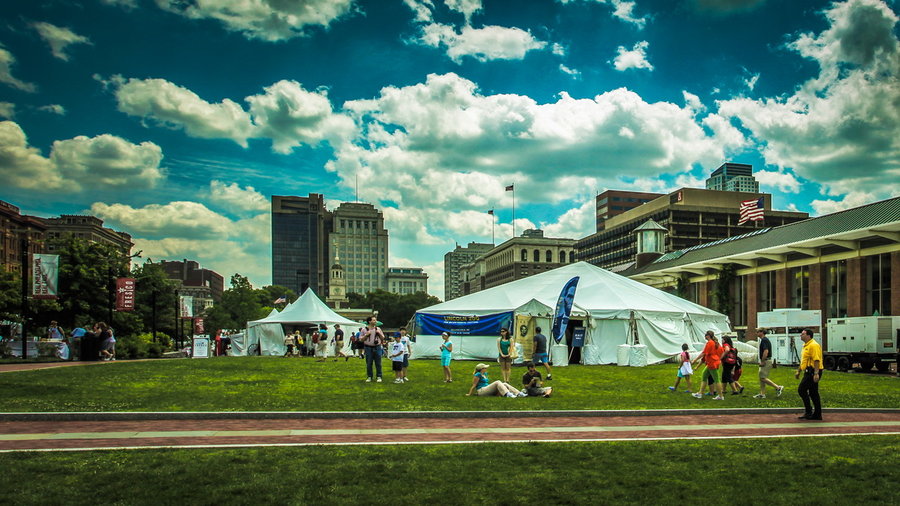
<point x="459" y="325"/>
<point x="125" y="294"/>
<point x="44" y="275"/>
<point x="198" y="325"/>
<point x="186" y="305"/>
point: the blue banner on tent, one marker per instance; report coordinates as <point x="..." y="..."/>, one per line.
<point x="578" y="337"/>
<point x="463" y="325"/>
<point x="564" y="309"/>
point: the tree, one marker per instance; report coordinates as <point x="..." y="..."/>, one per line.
<point x="267" y="295"/>
<point x="239" y="304"/>
<point x="152" y="286"/>
<point x="394" y="310"/>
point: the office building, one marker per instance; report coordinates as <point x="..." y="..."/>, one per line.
<point x="300" y="227"/>
<point x="358" y="233"/>
<point x="204" y="285"/>
<point x="406" y="280"/>
<point x="517" y="258"/>
<point x="454" y="262"/>
<point x="615" y="202"/>
<point x="15" y="229"/>
<point x="88" y="228"/>
<point x="692" y="216"/>
<point x="733" y="177"/>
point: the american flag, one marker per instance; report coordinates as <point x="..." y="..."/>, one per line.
<point x="280" y="300"/>
<point x="510" y="187"/>
<point x="491" y="212"/>
<point x="751" y="210"/>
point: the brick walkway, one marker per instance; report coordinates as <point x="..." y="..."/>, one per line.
<point x="64" y="434"/>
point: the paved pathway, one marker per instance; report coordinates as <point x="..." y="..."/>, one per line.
<point x="61" y="434"/>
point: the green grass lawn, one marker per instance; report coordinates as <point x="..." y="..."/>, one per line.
<point x="280" y="384"/>
<point x="835" y="470"/>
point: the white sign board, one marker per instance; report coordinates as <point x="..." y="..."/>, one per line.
<point x="779" y="318"/>
<point x="201" y="347"/>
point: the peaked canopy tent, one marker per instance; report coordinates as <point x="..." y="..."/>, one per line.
<point x="308" y="309"/>
<point x="614" y="310"/>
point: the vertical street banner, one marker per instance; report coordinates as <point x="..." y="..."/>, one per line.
<point x="564" y="309"/>
<point x="198" y="325"/>
<point x="125" y="294"/>
<point x="186" y="306"/>
<point x="44" y="275"/>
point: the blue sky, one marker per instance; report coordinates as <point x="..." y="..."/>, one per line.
<point x="176" y="120"/>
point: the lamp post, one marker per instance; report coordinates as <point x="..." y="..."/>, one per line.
<point x="24" y="246"/>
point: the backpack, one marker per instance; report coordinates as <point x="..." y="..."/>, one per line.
<point x="731" y="357"/>
<point x="315" y="337"/>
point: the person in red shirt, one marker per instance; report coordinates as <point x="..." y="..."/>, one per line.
<point x="712" y="357"/>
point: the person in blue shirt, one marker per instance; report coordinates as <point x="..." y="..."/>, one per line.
<point x="482" y="386"/>
<point x="446" y="356"/>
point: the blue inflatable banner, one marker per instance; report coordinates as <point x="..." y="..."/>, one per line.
<point x="564" y="309"/>
<point x="463" y="325"/>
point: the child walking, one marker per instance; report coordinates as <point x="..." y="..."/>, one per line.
<point x="685" y="371"/>
<point x="398" y="349"/>
<point x="446" y="356"/>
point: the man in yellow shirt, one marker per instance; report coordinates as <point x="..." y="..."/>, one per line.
<point x="811" y="368"/>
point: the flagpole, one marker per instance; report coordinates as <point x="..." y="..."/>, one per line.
<point x="493" y="241"/>
<point x="514" y="211"/>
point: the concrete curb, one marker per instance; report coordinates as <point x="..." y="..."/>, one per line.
<point x="310" y="415"/>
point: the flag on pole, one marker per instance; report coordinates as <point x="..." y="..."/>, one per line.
<point x="510" y="187"/>
<point x="751" y="210"/>
<point x="564" y="309"/>
<point x="280" y="300"/>
<point x="491" y="212"/>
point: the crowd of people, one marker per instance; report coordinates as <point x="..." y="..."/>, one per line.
<point x="96" y="343"/>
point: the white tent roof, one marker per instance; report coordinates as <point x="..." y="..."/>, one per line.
<point x="306" y="309"/>
<point x="601" y="293"/>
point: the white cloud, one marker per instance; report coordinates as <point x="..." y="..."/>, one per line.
<point x="575" y="223"/>
<point x="422" y="9"/>
<point x="173" y="105"/>
<point x="622" y="9"/>
<point x="53" y="109"/>
<point x="269" y="20"/>
<point x="572" y="72"/>
<point x="466" y="7"/>
<point x="7" y="110"/>
<point x="784" y="181"/>
<point x="558" y="49"/>
<point x="175" y="219"/>
<point x="636" y="58"/>
<point x="235" y="197"/>
<point x="291" y="116"/>
<point x="482" y="44"/>
<point x="851" y="199"/>
<point x="842" y="128"/>
<point x="104" y="161"/>
<point x="59" y="38"/>
<point x="7" y="60"/>
<point x="751" y="81"/>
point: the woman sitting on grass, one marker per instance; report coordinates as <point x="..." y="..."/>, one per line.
<point x="482" y="386"/>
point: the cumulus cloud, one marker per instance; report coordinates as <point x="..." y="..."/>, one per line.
<point x="422" y="9"/>
<point x="23" y="166"/>
<point x="7" y="60"/>
<point x="59" y="38"/>
<point x="635" y="58"/>
<point x="577" y="222"/>
<point x="175" y="106"/>
<point x="784" y="181"/>
<point x="466" y="7"/>
<point x="269" y="20"/>
<point x="291" y="116"/>
<point x="575" y="73"/>
<point x="482" y="44"/>
<point x="7" y="110"/>
<point x="622" y="9"/>
<point x="53" y="109"/>
<point x="235" y="197"/>
<point x="851" y="199"/>
<point x="841" y="128"/>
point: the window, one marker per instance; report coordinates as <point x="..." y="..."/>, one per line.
<point x="536" y="256"/>
<point x="767" y="291"/>
<point x="836" y="289"/>
<point x="549" y="256"/>
<point x="571" y="257"/>
<point x="739" y="296"/>
<point x="878" y="284"/>
<point x="562" y="257"/>
<point x="800" y="287"/>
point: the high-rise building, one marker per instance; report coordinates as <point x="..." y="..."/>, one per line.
<point x="89" y="228"/>
<point x="357" y="231"/>
<point x="733" y="177"/>
<point x="300" y="257"/>
<point x="204" y="285"/>
<point x="406" y="280"/>
<point x="453" y="263"/>
<point x="615" y="202"/>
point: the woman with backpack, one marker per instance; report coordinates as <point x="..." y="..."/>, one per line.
<point x="729" y="363"/>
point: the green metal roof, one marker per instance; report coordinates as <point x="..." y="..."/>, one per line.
<point x="858" y="218"/>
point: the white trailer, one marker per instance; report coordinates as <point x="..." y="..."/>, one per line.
<point x="864" y="340"/>
<point x="784" y="326"/>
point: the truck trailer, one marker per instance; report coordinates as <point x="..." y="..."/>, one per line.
<point x="865" y="340"/>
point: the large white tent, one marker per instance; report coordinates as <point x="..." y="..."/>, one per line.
<point x="613" y="309"/>
<point x="308" y="309"/>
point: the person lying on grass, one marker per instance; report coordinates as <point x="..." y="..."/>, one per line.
<point x="482" y="386"/>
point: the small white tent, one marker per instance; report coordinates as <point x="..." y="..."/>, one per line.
<point x="611" y="307"/>
<point x="308" y="309"/>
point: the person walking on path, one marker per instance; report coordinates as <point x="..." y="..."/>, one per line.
<point x="482" y="386"/>
<point x="729" y="366"/>
<point x="373" y="343"/>
<point x="540" y="355"/>
<point x="685" y="370"/>
<point x="765" y="366"/>
<point x="811" y="368"/>
<point x="505" y="349"/>
<point x="712" y="357"/>
<point x="446" y="356"/>
<point x="407" y="343"/>
<point x="322" y="344"/>
<point x="339" y="343"/>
